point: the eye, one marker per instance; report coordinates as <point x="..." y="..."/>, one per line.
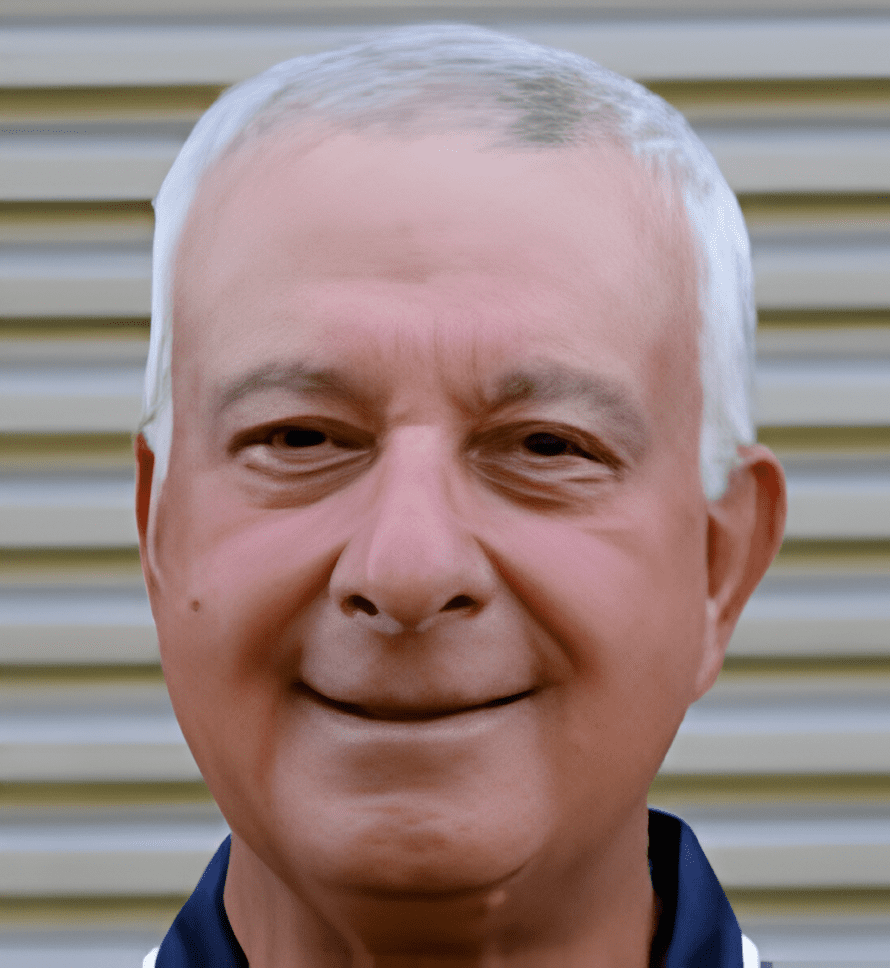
<point x="549" y="466"/>
<point x="303" y="437"/>
<point x="526" y="443"/>
<point x="551" y="445"/>
<point x="296" y="439"/>
<point x="298" y="448"/>
<point x="289" y="440"/>
<point x="555" y="451"/>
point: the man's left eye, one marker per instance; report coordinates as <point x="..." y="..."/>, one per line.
<point x="551" y="445"/>
<point x="546" y="466"/>
<point x="303" y="437"/>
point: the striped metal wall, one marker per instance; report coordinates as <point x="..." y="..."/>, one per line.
<point x="783" y="770"/>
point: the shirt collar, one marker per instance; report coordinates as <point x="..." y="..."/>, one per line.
<point x="696" y="926"/>
<point x="201" y="934"/>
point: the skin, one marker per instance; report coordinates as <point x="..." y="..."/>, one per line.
<point x="434" y="576"/>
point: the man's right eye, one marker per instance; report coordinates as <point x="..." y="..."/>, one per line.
<point x="303" y="446"/>
<point x="288" y="440"/>
<point x="297" y="463"/>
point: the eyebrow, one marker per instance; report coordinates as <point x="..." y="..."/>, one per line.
<point x="603" y="397"/>
<point x="293" y="377"/>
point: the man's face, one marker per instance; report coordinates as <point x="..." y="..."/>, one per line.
<point x="429" y="566"/>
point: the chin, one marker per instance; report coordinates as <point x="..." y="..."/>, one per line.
<point x="420" y="813"/>
<point x="404" y="845"/>
<point x="407" y="854"/>
<point x="441" y="900"/>
<point x="401" y="875"/>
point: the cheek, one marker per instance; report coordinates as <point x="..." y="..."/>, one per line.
<point x="231" y="583"/>
<point x="623" y="597"/>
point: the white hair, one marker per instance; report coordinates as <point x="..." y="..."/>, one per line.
<point x="402" y="79"/>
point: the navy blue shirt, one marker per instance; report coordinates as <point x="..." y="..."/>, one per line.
<point x="696" y="929"/>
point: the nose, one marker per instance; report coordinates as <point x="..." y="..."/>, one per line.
<point x="412" y="560"/>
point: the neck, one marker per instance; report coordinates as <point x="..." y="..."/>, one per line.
<point x="600" y="914"/>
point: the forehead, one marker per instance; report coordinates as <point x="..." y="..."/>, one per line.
<point x="292" y="238"/>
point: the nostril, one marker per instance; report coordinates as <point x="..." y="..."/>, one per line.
<point x="357" y="603"/>
<point x="458" y="602"/>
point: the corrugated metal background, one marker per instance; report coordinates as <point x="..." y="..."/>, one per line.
<point x="784" y="770"/>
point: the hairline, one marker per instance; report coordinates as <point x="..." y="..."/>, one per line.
<point x="674" y="153"/>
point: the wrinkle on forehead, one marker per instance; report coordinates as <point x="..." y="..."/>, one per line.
<point x="412" y="216"/>
<point x="455" y="247"/>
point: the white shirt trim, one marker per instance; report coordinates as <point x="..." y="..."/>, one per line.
<point x="149" y="960"/>
<point x="750" y="954"/>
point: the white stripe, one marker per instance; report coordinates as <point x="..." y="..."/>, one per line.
<point x="701" y="48"/>
<point x="750" y="955"/>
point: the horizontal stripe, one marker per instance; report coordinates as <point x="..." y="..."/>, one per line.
<point x="77" y="398"/>
<point x="797" y="943"/>
<point x="810" y="848"/>
<point x="109" y="167"/>
<point x="90" y="625"/>
<point x="75" y="949"/>
<point x="813" y="617"/>
<point x="97" y="281"/>
<point x="75" y="281"/>
<point x="97" y="511"/>
<point x="827" y="942"/>
<point x="110" y="855"/>
<point x="119" y="732"/>
<point x="115" y="853"/>
<point x="89" y="55"/>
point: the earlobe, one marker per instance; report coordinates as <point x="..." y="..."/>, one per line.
<point x="745" y="528"/>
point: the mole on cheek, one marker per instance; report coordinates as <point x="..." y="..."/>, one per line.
<point x="195" y="605"/>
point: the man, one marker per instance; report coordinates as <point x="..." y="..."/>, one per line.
<point x="448" y="503"/>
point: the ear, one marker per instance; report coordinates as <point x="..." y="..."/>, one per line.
<point x="145" y="465"/>
<point x="745" y="528"/>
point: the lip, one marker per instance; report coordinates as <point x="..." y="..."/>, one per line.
<point x="408" y="713"/>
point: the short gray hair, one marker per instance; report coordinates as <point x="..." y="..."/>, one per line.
<point x="401" y="80"/>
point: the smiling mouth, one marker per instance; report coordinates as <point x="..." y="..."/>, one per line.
<point x="408" y="714"/>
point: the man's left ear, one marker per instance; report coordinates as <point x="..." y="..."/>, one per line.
<point x="145" y="464"/>
<point x="745" y="528"/>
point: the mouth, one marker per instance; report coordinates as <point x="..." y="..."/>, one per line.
<point x="409" y="713"/>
